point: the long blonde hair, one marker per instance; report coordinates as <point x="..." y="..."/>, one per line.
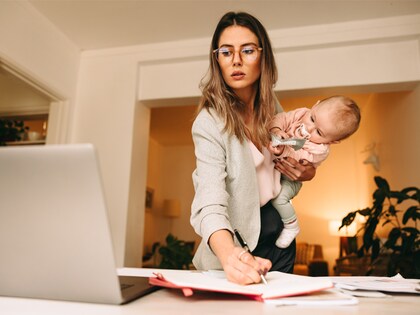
<point x="218" y="95"/>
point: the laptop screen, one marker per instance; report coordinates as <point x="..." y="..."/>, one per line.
<point x="54" y="233"/>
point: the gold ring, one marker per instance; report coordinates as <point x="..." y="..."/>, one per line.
<point x="241" y="254"/>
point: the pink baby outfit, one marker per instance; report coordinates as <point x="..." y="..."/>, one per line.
<point x="291" y="123"/>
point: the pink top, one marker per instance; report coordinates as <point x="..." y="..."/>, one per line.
<point x="268" y="178"/>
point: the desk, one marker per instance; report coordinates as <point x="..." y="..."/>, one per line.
<point x="172" y="302"/>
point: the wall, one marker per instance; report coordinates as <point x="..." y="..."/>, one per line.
<point x="397" y="134"/>
<point x="170" y="175"/>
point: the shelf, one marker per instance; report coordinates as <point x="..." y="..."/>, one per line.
<point x="14" y="143"/>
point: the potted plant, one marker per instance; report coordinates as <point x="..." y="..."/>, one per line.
<point x="11" y="130"/>
<point x="176" y="254"/>
<point x="400" y="210"/>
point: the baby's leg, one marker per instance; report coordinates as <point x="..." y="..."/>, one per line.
<point x="288" y="234"/>
<point x="287" y="212"/>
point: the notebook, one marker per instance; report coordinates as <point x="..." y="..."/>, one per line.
<point x="279" y="285"/>
<point x="55" y="240"/>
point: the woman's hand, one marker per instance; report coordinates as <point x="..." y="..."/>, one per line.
<point x="301" y="171"/>
<point x="243" y="268"/>
<point x="239" y="265"/>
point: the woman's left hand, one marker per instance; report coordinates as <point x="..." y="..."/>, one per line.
<point x="301" y="171"/>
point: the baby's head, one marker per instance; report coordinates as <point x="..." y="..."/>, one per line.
<point x="331" y="120"/>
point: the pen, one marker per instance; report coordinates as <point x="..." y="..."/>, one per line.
<point x="244" y="245"/>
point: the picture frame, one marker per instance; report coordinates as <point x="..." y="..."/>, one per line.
<point x="149" y="199"/>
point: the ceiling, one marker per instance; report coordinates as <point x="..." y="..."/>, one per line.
<point x="97" y="24"/>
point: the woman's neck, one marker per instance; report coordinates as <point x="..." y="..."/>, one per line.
<point x="247" y="96"/>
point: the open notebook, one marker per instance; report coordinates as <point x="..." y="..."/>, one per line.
<point x="279" y="284"/>
<point x="55" y="239"/>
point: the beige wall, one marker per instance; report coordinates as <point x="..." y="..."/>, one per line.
<point x="170" y="175"/>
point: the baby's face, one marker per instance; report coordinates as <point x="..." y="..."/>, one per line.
<point x="319" y="124"/>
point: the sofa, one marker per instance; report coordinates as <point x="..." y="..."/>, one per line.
<point x="310" y="260"/>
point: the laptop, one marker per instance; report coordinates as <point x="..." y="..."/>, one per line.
<point x="55" y="240"/>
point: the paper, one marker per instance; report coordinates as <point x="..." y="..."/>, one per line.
<point x="395" y="284"/>
<point x="325" y="297"/>
<point x="364" y="293"/>
<point x="279" y="284"/>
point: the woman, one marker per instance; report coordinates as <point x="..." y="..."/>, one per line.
<point x="230" y="137"/>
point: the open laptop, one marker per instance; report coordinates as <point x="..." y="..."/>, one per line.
<point x="55" y="241"/>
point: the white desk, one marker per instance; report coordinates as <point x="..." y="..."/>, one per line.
<point x="172" y="302"/>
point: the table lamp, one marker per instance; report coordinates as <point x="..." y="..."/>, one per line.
<point x="348" y="240"/>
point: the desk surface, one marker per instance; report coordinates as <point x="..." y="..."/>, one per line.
<point x="172" y="302"/>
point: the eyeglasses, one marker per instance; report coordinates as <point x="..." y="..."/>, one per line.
<point x="225" y="54"/>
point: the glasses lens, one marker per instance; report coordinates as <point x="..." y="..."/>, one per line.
<point x="226" y="54"/>
<point x="249" y="53"/>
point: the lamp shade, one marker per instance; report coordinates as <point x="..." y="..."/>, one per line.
<point x="345" y="231"/>
<point x="172" y="208"/>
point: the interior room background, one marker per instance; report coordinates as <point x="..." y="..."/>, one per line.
<point x="110" y="97"/>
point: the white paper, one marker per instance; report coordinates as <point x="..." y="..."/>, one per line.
<point x="384" y="284"/>
<point x="321" y="298"/>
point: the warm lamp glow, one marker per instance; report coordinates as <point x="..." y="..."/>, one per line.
<point x="345" y="231"/>
<point x="172" y="208"/>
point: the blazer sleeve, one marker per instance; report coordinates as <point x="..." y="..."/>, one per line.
<point x="209" y="207"/>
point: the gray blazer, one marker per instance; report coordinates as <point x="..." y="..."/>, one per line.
<point x="226" y="187"/>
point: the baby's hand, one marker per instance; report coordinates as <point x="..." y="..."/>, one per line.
<point x="274" y="148"/>
<point x="277" y="151"/>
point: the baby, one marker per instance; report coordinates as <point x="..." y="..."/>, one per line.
<point x="328" y="122"/>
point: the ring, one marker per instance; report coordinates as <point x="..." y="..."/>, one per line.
<point x="241" y="254"/>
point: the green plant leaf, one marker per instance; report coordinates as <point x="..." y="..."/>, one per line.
<point x="392" y="211"/>
<point x="401" y="250"/>
<point x="411" y="213"/>
<point x="386" y="222"/>
<point x="399" y="196"/>
<point x="411" y="230"/>
<point x="393" y="236"/>
<point x="365" y="211"/>
<point x="381" y="183"/>
<point x="375" y="248"/>
<point x="348" y="219"/>
<point x="412" y="193"/>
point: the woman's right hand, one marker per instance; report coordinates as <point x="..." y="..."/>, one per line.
<point x="239" y="265"/>
<point x="244" y="268"/>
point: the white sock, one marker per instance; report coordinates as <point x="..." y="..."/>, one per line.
<point x="290" y="231"/>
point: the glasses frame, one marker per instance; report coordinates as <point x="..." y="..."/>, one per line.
<point x="215" y="51"/>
